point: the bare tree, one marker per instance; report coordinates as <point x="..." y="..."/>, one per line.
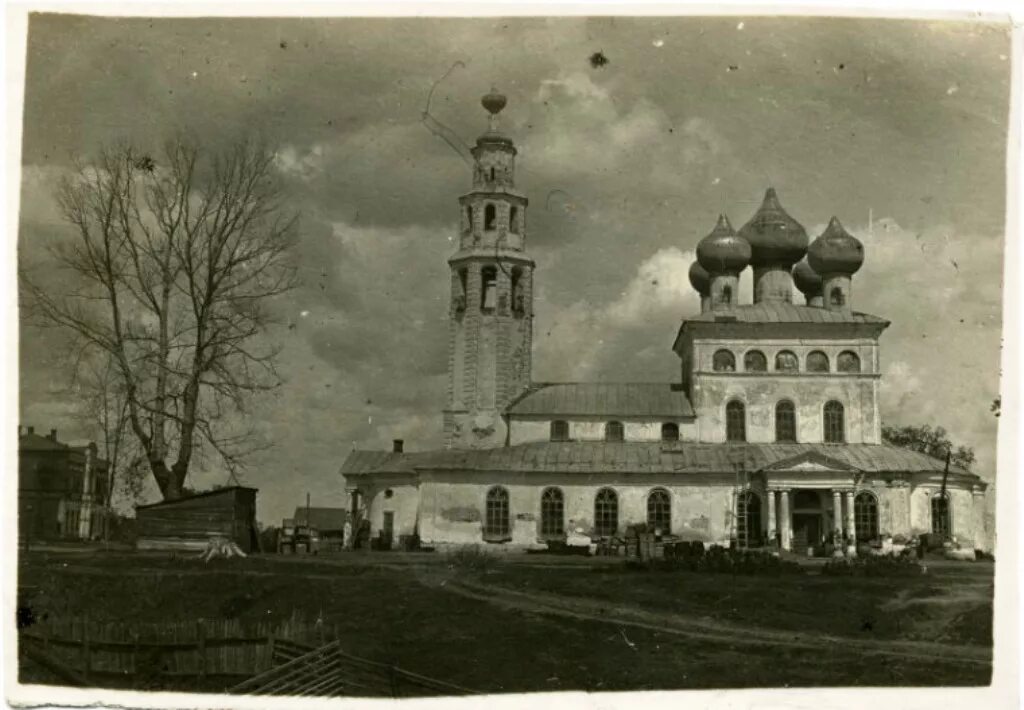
<point x="103" y="409"/>
<point x="172" y="263"/>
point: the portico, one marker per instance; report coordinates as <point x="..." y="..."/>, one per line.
<point x="808" y="498"/>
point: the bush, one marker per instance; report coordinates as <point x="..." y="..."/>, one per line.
<point x="719" y="559"/>
<point x="874" y="566"/>
<point x="470" y="558"/>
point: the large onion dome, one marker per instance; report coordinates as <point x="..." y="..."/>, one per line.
<point x="722" y="251"/>
<point x="807" y="279"/>
<point x="836" y="251"/>
<point x="700" y="279"/>
<point x="775" y="238"/>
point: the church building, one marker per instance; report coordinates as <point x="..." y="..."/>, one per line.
<point x="771" y="435"/>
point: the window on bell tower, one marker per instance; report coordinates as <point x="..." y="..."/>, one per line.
<point x="469" y="218"/>
<point x="513" y="220"/>
<point x="488" y="288"/>
<point x="490" y="217"/>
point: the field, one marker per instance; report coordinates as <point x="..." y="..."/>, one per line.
<point x="531" y="623"/>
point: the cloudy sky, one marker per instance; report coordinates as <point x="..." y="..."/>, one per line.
<point x="627" y="165"/>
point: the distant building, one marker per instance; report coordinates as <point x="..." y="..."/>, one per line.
<point x="62" y="489"/>
<point x="771" y="435"/>
<point x="190" y="523"/>
<point x="313" y="530"/>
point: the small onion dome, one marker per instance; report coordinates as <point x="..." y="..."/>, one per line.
<point x="836" y="251"/>
<point x="700" y="279"/>
<point x="775" y="238"/>
<point x="493" y="101"/>
<point x="722" y="251"/>
<point x="807" y="279"/>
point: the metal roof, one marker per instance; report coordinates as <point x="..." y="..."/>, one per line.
<point x="653" y="457"/>
<point x="596" y="399"/>
<point x="765" y="312"/>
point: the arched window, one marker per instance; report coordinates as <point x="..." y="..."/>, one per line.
<point x="786" y="361"/>
<point x="785" y="421"/>
<point x="865" y="516"/>
<point x="835" y="427"/>
<point x="492" y="174"/>
<point x="659" y="511"/>
<point x="727" y="295"/>
<point x="748" y="520"/>
<point x="670" y="431"/>
<point x="469" y="217"/>
<point x="848" y="361"/>
<point x="606" y="512"/>
<point x="735" y="421"/>
<point x="613" y="431"/>
<point x="755" y="361"/>
<point x="723" y="361"/>
<point x="552" y="513"/>
<point x="559" y="430"/>
<point x="941" y="523"/>
<point x="518" y="299"/>
<point x="836" y="297"/>
<point x="488" y="288"/>
<point x="490" y="216"/>
<point x="817" y="361"/>
<point x="513" y="219"/>
<point x="496" y="525"/>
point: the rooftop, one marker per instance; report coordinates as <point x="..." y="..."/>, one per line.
<point x="320" y="518"/>
<point x="643" y="457"/>
<point x="599" y="399"/>
<point x="766" y="312"/>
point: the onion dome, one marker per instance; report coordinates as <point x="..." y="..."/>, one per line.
<point x="700" y="279"/>
<point x="807" y="279"/>
<point x="493" y="101"/>
<point x="836" y="251"/>
<point x="775" y="238"/>
<point x="722" y="251"/>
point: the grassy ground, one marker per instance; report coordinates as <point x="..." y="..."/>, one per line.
<point x="405" y="611"/>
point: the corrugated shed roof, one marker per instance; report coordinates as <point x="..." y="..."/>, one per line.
<point x="785" y="313"/>
<point x="600" y="399"/>
<point x="654" y="457"/>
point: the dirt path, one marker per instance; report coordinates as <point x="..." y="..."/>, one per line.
<point x="702" y="628"/>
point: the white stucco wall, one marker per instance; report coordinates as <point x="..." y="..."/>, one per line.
<point x="453" y="504"/>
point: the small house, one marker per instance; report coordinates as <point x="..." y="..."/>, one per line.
<point x="189" y="523"/>
<point x="313" y="530"/>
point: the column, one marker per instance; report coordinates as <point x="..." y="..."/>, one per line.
<point x="786" y="522"/>
<point x="837" y="517"/>
<point x="771" y="517"/>
<point x="851" y="528"/>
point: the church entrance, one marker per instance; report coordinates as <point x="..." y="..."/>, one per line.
<point x="807" y="521"/>
<point x="806" y="531"/>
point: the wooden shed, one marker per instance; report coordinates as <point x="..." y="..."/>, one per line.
<point x="189" y="523"/>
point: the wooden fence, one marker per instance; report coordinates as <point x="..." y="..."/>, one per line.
<point x="185" y="649"/>
<point x="293" y="658"/>
<point x="328" y="671"/>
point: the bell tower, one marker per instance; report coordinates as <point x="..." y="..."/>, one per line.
<point x="491" y="315"/>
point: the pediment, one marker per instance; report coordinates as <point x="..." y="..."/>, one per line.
<point x="811" y="462"/>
